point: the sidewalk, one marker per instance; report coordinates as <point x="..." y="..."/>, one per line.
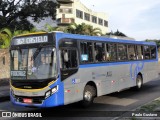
<point x="4" y="82"/>
<point x="4" y="90"/>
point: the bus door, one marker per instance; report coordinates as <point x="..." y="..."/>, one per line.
<point x="69" y="74"/>
<point x="68" y="62"/>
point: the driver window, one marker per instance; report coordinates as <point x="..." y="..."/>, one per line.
<point x="68" y="59"/>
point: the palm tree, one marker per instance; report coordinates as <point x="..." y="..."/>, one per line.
<point x="6" y="35"/>
<point x="83" y="29"/>
<point x="117" y="33"/>
<point x="94" y="31"/>
<point x="72" y="28"/>
<point x="49" y="28"/>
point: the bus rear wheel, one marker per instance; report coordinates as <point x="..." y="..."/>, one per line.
<point x="88" y="95"/>
<point x="139" y="82"/>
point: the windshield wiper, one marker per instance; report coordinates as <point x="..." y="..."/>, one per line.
<point x="36" y="53"/>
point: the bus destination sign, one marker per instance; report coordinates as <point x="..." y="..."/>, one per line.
<point x="31" y="40"/>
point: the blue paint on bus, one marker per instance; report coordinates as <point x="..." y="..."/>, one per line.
<point x="134" y="71"/>
<point x="60" y="36"/>
<point x="113" y="63"/>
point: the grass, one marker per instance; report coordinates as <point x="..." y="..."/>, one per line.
<point x="152" y="106"/>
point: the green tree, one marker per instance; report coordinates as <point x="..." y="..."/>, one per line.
<point x="154" y="40"/>
<point x="72" y="28"/>
<point x="94" y="31"/>
<point x="14" y="13"/>
<point x="6" y="35"/>
<point x="117" y="33"/>
<point x="49" y="28"/>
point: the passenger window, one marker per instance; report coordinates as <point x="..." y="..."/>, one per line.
<point x="146" y="52"/>
<point x="131" y="52"/>
<point x="104" y="52"/>
<point x="68" y="59"/>
<point x="153" y="52"/>
<point x="99" y="51"/>
<point x="86" y="52"/>
<point x="139" y="52"/>
<point x="111" y="52"/>
<point x="122" y="52"/>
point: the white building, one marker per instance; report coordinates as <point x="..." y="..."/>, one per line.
<point x="71" y="11"/>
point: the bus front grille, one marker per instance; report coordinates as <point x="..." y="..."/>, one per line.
<point x="35" y="100"/>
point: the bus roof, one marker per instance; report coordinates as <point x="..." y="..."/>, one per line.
<point x="100" y="38"/>
<point x="61" y="35"/>
<point x="28" y="34"/>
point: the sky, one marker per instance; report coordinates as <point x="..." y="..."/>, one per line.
<point x="139" y="19"/>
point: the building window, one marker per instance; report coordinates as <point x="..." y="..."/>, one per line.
<point x="3" y="60"/>
<point x="100" y="21"/>
<point x="68" y="5"/>
<point x="87" y="16"/>
<point x="105" y="23"/>
<point x="65" y="10"/>
<point x="79" y="14"/>
<point x="60" y="10"/>
<point x="94" y="19"/>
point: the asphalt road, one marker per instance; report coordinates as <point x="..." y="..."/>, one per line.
<point x="118" y="103"/>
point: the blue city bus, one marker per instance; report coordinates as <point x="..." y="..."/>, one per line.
<point x="53" y="69"/>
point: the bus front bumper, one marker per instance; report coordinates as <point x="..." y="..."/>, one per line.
<point x="53" y="100"/>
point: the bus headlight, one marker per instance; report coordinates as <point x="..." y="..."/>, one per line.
<point x="51" y="91"/>
<point x="48" y="93"/>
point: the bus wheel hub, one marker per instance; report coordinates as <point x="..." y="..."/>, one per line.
<point x="87" y="96"/>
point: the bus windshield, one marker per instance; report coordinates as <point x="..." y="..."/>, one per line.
<point x="33" y="63"/>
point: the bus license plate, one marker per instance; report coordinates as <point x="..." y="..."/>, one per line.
<point x="26" y="100"/>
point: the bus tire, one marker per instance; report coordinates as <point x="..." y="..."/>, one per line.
<point x="88" y="96"/>
<point x="139" y="83"/>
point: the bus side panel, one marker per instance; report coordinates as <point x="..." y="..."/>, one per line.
<point x="73" y="89"/>
<point x="108" y="78"/>
<point x="150" y="71"/>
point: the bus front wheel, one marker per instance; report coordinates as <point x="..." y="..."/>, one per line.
<point x="88" y="95"/>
